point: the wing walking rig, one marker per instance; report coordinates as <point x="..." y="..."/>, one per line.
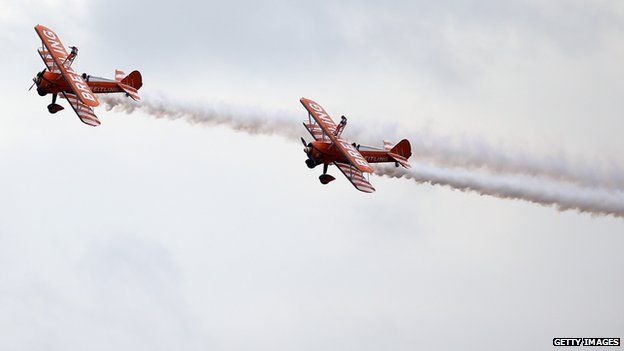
<point x="352" y="160"/>
<point x="59" y="77"/>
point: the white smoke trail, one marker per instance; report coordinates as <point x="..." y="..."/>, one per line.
<point x="561" y="196"/>
<point x="478" y="154"/>
<point x="475" y="153"/>
<point x="595" y="200"/>
<point x="241" y="119"/>
<point x="464" y="152"/>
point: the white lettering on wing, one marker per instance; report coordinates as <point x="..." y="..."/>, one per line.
<point x="82" y="86"/>
<point x="353" y="153"/>
<point x="325" y="118"/>
<point x="322" y="115"/>
<point x="49" y="34"/>
<point x="57" y="46"/>
<point x="79" y="83"/>
<point x="316" y="107"/>
<point x="75" y="80"/>
<point x="87" y="96"/>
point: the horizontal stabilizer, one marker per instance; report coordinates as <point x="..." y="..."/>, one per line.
<point x="133" y="93"/>
<point x="400" y="160"/>
<point x="119" y="75"/>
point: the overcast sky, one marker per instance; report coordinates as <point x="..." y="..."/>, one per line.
<point x="150" y="234"/>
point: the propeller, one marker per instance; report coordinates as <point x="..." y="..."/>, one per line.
<point x="36" y="79"/>
<point x="307" y="146"/>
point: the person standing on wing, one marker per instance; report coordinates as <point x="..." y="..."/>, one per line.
<point x="340" y="127"/>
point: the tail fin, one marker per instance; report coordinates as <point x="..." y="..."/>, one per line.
<point x="403" y="148"/>
<point x="130" y="84"/>
<point x="400" y="152"/>
<point x="134" y="80"/>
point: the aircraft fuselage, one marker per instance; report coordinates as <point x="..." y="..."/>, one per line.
<point x="54" y="83"/>
<point x="325" y="152"/>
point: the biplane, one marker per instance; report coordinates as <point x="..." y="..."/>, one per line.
<point x="352" y="159"/>
<point x="59" y="77"/>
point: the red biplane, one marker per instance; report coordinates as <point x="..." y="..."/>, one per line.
<point x="78" y="89"/>
<point x="352" y="159"/>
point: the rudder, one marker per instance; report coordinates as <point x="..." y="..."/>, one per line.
<point x="133" y="79"/>
<point x="403" y="148"/>
<point x="400" y="152"/>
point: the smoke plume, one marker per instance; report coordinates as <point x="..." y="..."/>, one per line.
<point x="548" y="181"/>
<point x="240" y="119"/>
<point x="561" y="196"/>
<point x="476" y="153"/>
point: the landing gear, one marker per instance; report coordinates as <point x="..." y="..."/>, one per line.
<point x="325" y="178"/>
<point x="311" y="162"/>
<point x="54" y="107"/>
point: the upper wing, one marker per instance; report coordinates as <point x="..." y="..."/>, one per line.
<point x="59" y="55"/>
<point x="84" y="112"/>
<point x="328" y="127"/>
<point x="321" y="117"/>
<point x="355" y="177"/>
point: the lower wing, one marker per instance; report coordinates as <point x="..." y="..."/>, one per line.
<point x="48" y="60"/>
<point x="355" y="176"/>
<point x="315" y="130"/>
<point x="84" y="112"/>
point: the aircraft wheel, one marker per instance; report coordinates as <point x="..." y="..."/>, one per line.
<point x="310" y="163"/>
<point x="326" y="178"/>
<point x="54" y="108"/>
